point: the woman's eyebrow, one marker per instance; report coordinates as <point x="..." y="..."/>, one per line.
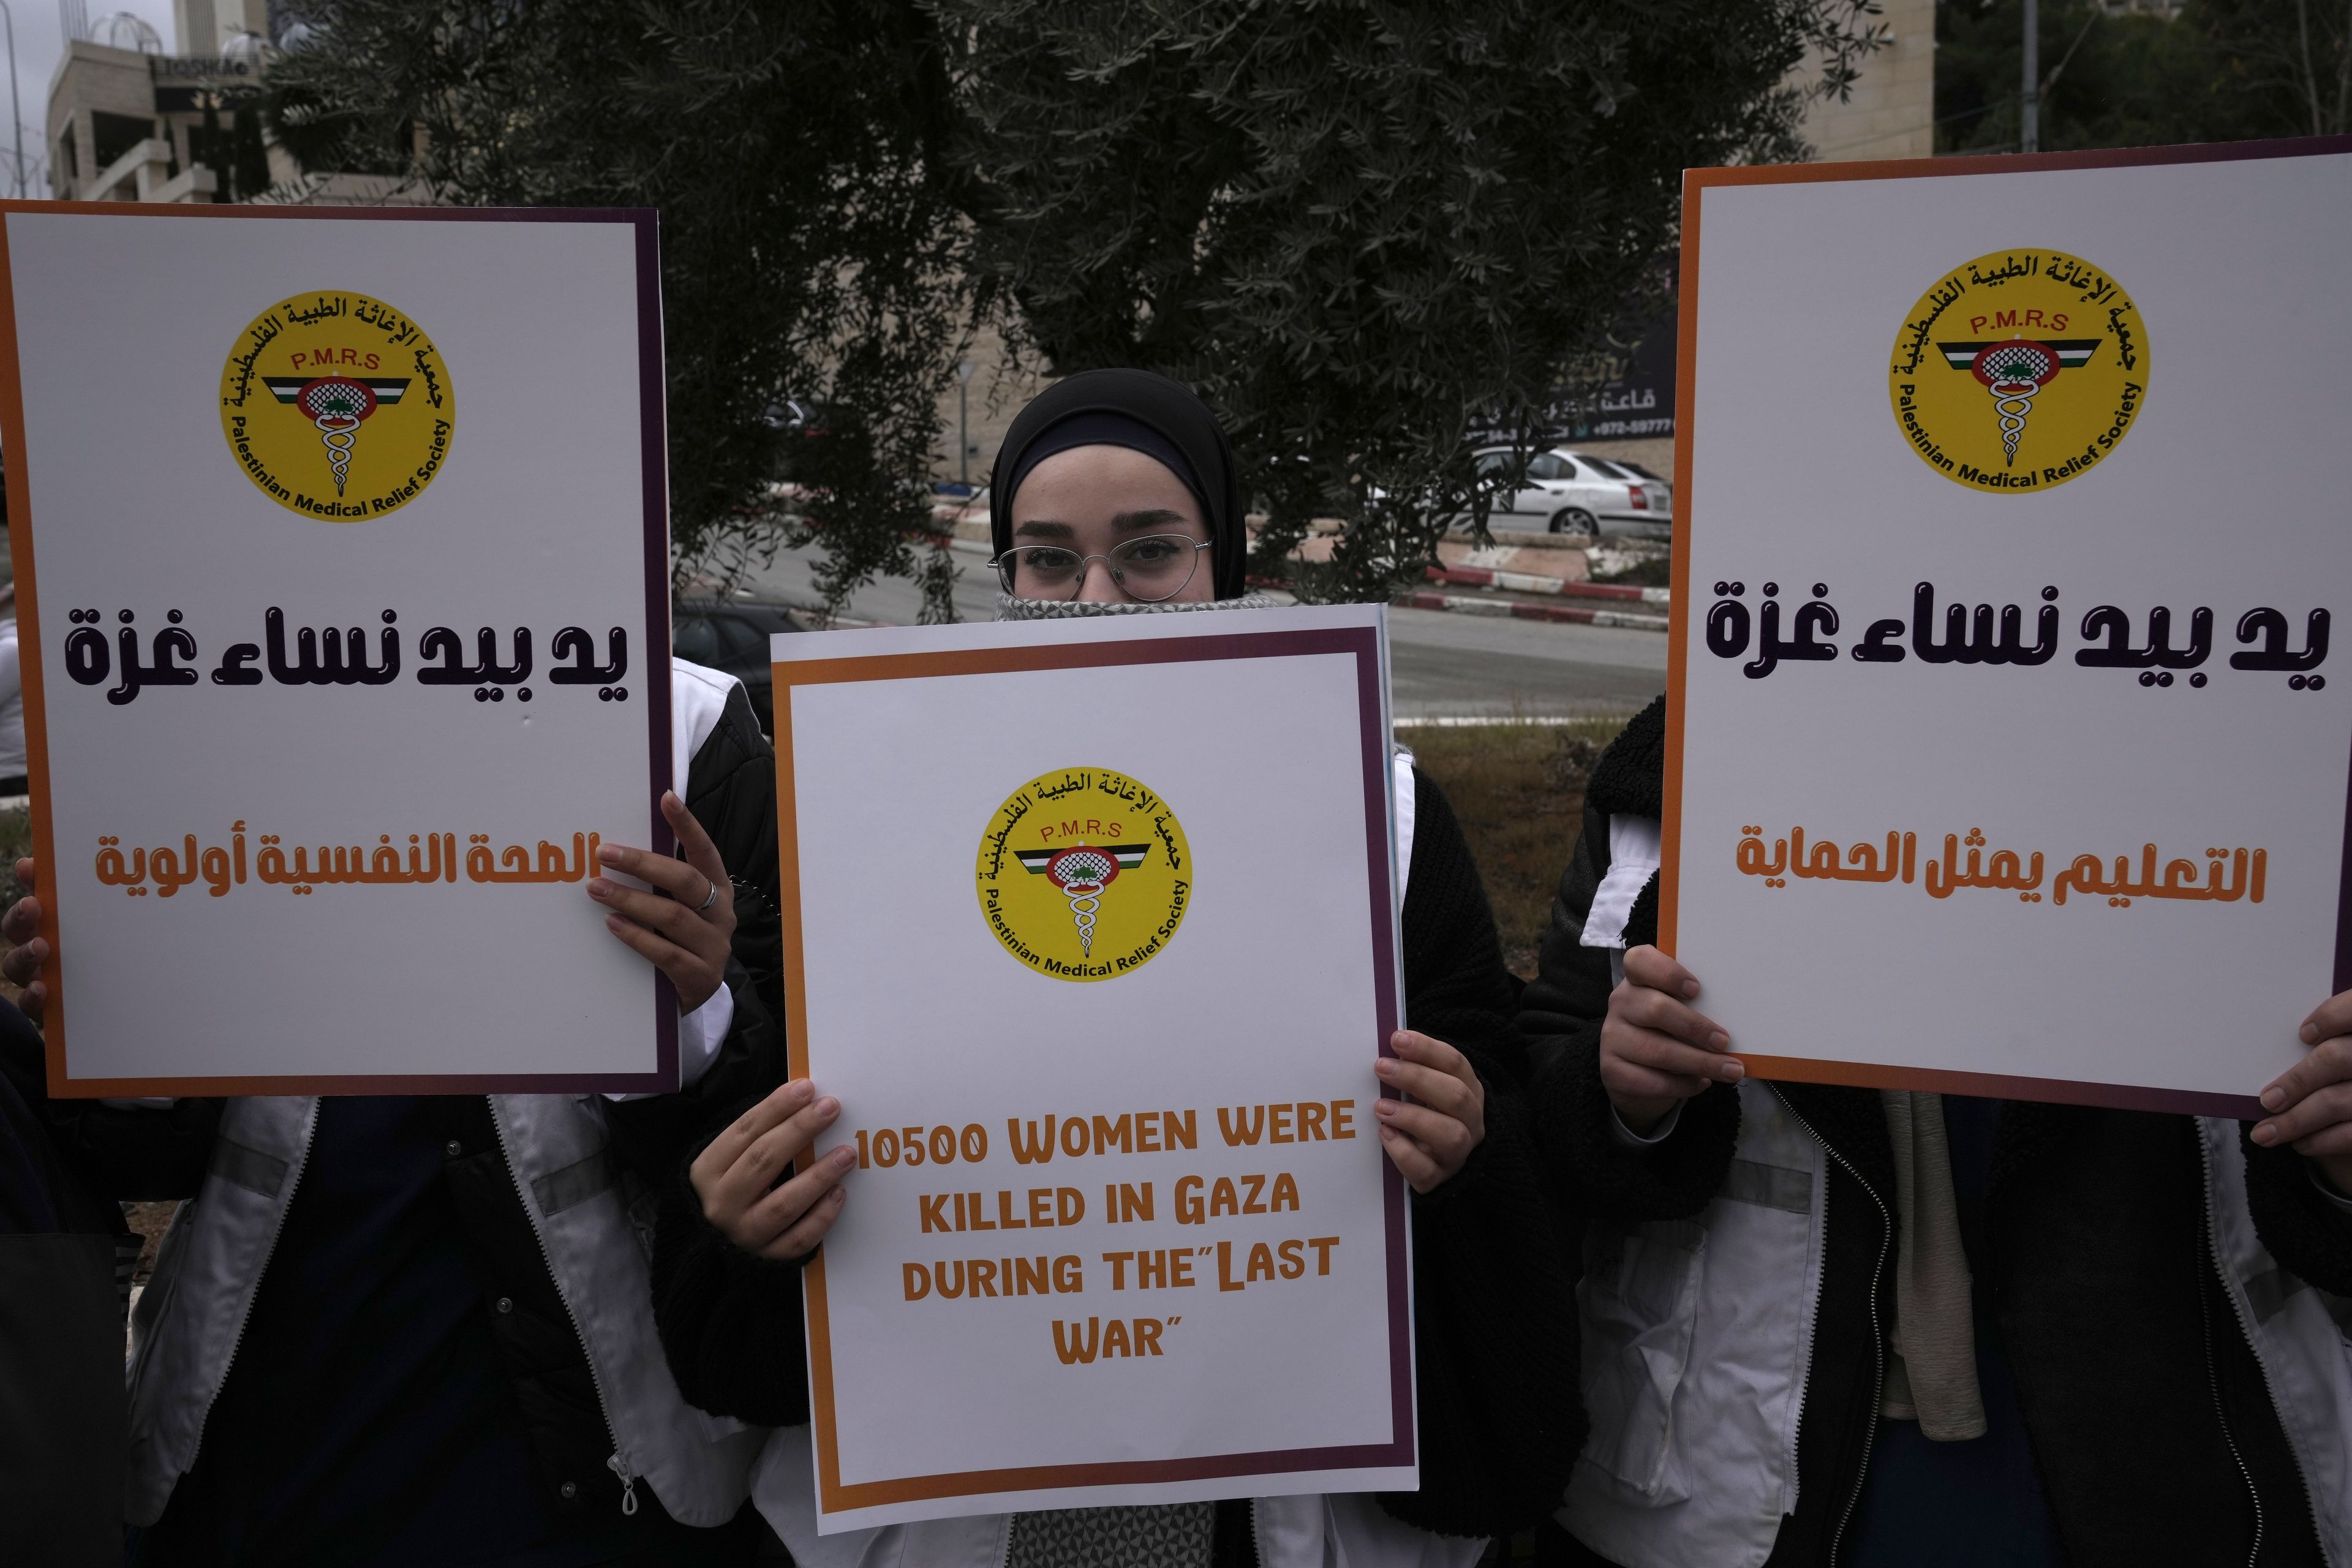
<point x="1037" y="530"/>
<point x="1159" y="516"/>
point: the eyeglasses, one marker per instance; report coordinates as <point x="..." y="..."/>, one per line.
<point x="1152" y="568"/>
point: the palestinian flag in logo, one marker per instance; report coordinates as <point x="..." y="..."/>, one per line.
<point x="384" y="389"/>
<point x="1126" y="858"/>
<point x="2072" y="353"/>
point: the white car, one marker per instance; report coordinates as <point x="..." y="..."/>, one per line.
<point x="1569" y="492"/>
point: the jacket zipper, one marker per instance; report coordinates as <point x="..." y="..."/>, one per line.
<point x="2212" y="1375"/>
<point x="1877" y="1335"/>
<point x="618" y="1462"/>
<point x="236" y="1341"/>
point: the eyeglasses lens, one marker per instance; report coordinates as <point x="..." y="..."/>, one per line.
<point x="1154" y="567"/>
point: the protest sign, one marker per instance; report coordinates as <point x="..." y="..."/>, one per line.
<point x="1091" y="927"/>
<point x="2004" y="755"/>
<point x="341" y="559"/>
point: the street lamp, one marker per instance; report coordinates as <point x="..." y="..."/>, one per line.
<point x="963" y="426"/>
<point x="15" y="113"/>
<point x="2029" y="115"/>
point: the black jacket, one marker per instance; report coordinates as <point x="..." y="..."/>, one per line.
<point x="155" y="1155"/>
<point x="2134" y="1377"/>
<point x="1500" y="1417"/>
<point x="63" y="1421"/>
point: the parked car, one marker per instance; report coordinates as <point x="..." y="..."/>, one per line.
<point x="795" y="422"/>
<point x="732" y="635"/>
<point x="1569" y="492"/>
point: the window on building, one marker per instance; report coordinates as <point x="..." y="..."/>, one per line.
<point x="112" y="136"/>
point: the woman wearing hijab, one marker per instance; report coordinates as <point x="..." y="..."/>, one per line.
<point x="1116" y="494"/>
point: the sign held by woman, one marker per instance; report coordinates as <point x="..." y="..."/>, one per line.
<point x="1098" y="967"/>
<point x="343" y="560"/>
<point x="2013" y="763"/>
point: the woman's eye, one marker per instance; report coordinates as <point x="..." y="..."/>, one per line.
<point x="1152" y="551"/>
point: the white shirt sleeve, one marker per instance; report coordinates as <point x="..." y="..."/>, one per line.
<point x="1632" y="861"/>
<point x="1629" y="1139"/>
<point x="700" y="1034"/>
<point x="2327" y="1190"/>
<point x="1402" y="765"/>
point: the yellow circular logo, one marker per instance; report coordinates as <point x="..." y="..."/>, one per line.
<point x="337" y="406"/>
<point x="2019" y="371"/>
<point x="1084" y="874"/>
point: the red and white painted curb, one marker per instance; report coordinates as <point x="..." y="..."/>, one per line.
<point x="1528" y="583"/>
<point x="1520" y="610"/>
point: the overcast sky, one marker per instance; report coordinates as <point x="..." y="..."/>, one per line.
<point x="39" y="43"/>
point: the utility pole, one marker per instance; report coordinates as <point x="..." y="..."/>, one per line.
<point x="963" y="424"/>
<point x="2029" y="113"/>
<point x="15" y="113"/>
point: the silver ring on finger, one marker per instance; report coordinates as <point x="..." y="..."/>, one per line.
<point x="710" y="899"/>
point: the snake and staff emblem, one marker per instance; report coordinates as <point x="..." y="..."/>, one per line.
<point x="338" y="405"/>
<point x="1082" y="873"/>
<point x="2013" y="372"/>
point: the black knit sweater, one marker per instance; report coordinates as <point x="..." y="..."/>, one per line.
<point x="1501" y="1420"/>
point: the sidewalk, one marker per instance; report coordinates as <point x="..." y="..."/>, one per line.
<point x="1532" y="609"/>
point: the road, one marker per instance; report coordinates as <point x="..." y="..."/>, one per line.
<point x="1445" y="665"/>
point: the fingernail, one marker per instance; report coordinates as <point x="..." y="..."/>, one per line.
<point x="599" y="889"/>
<point x="843" y="1157"/>
<point x="2310" y="1034"/>
<point x="669" y="799"/>
<point x="839" y="1195"/>
<point x="615" y="924"/>
<point x="1719" y="1041"/>
<point x="2274" y="1099"/>
<point x="1391" y="1133"/>
<point x="1384" y="1108"/>
<point x="1733" y="1072"/>
<point x="1386" y="1066"/>
<point x="2267" y="1133"/>
<point x="1690" y="989"/>
<point x="610" y="854"/>
<point x="828" y="1108"/>
<point x="798" y="1090"/>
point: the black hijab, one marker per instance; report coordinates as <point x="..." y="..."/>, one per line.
<point x="1161" y="419"/>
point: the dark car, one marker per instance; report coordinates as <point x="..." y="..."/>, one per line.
<point x="795" y="424"/>
<point x="731" y="636"/>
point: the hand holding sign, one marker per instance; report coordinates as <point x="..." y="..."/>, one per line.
<point x="2311" y="1102"/>
<point x="735" y="1177"/>
<point x="1656" y="1051"/>
<point x="1430" y="1137"/>
<point x="687" y="924"/>
<point x="27" y="950"/>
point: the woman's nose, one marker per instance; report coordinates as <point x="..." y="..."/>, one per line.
<point x="1099" y="586"/>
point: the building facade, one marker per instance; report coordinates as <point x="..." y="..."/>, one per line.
<point x="1891" y="110"/>
<point x="140" y="125"/>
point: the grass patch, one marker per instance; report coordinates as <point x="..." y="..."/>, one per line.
<point x="1650" y="572"/>
<point x="1519" y="792"/>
